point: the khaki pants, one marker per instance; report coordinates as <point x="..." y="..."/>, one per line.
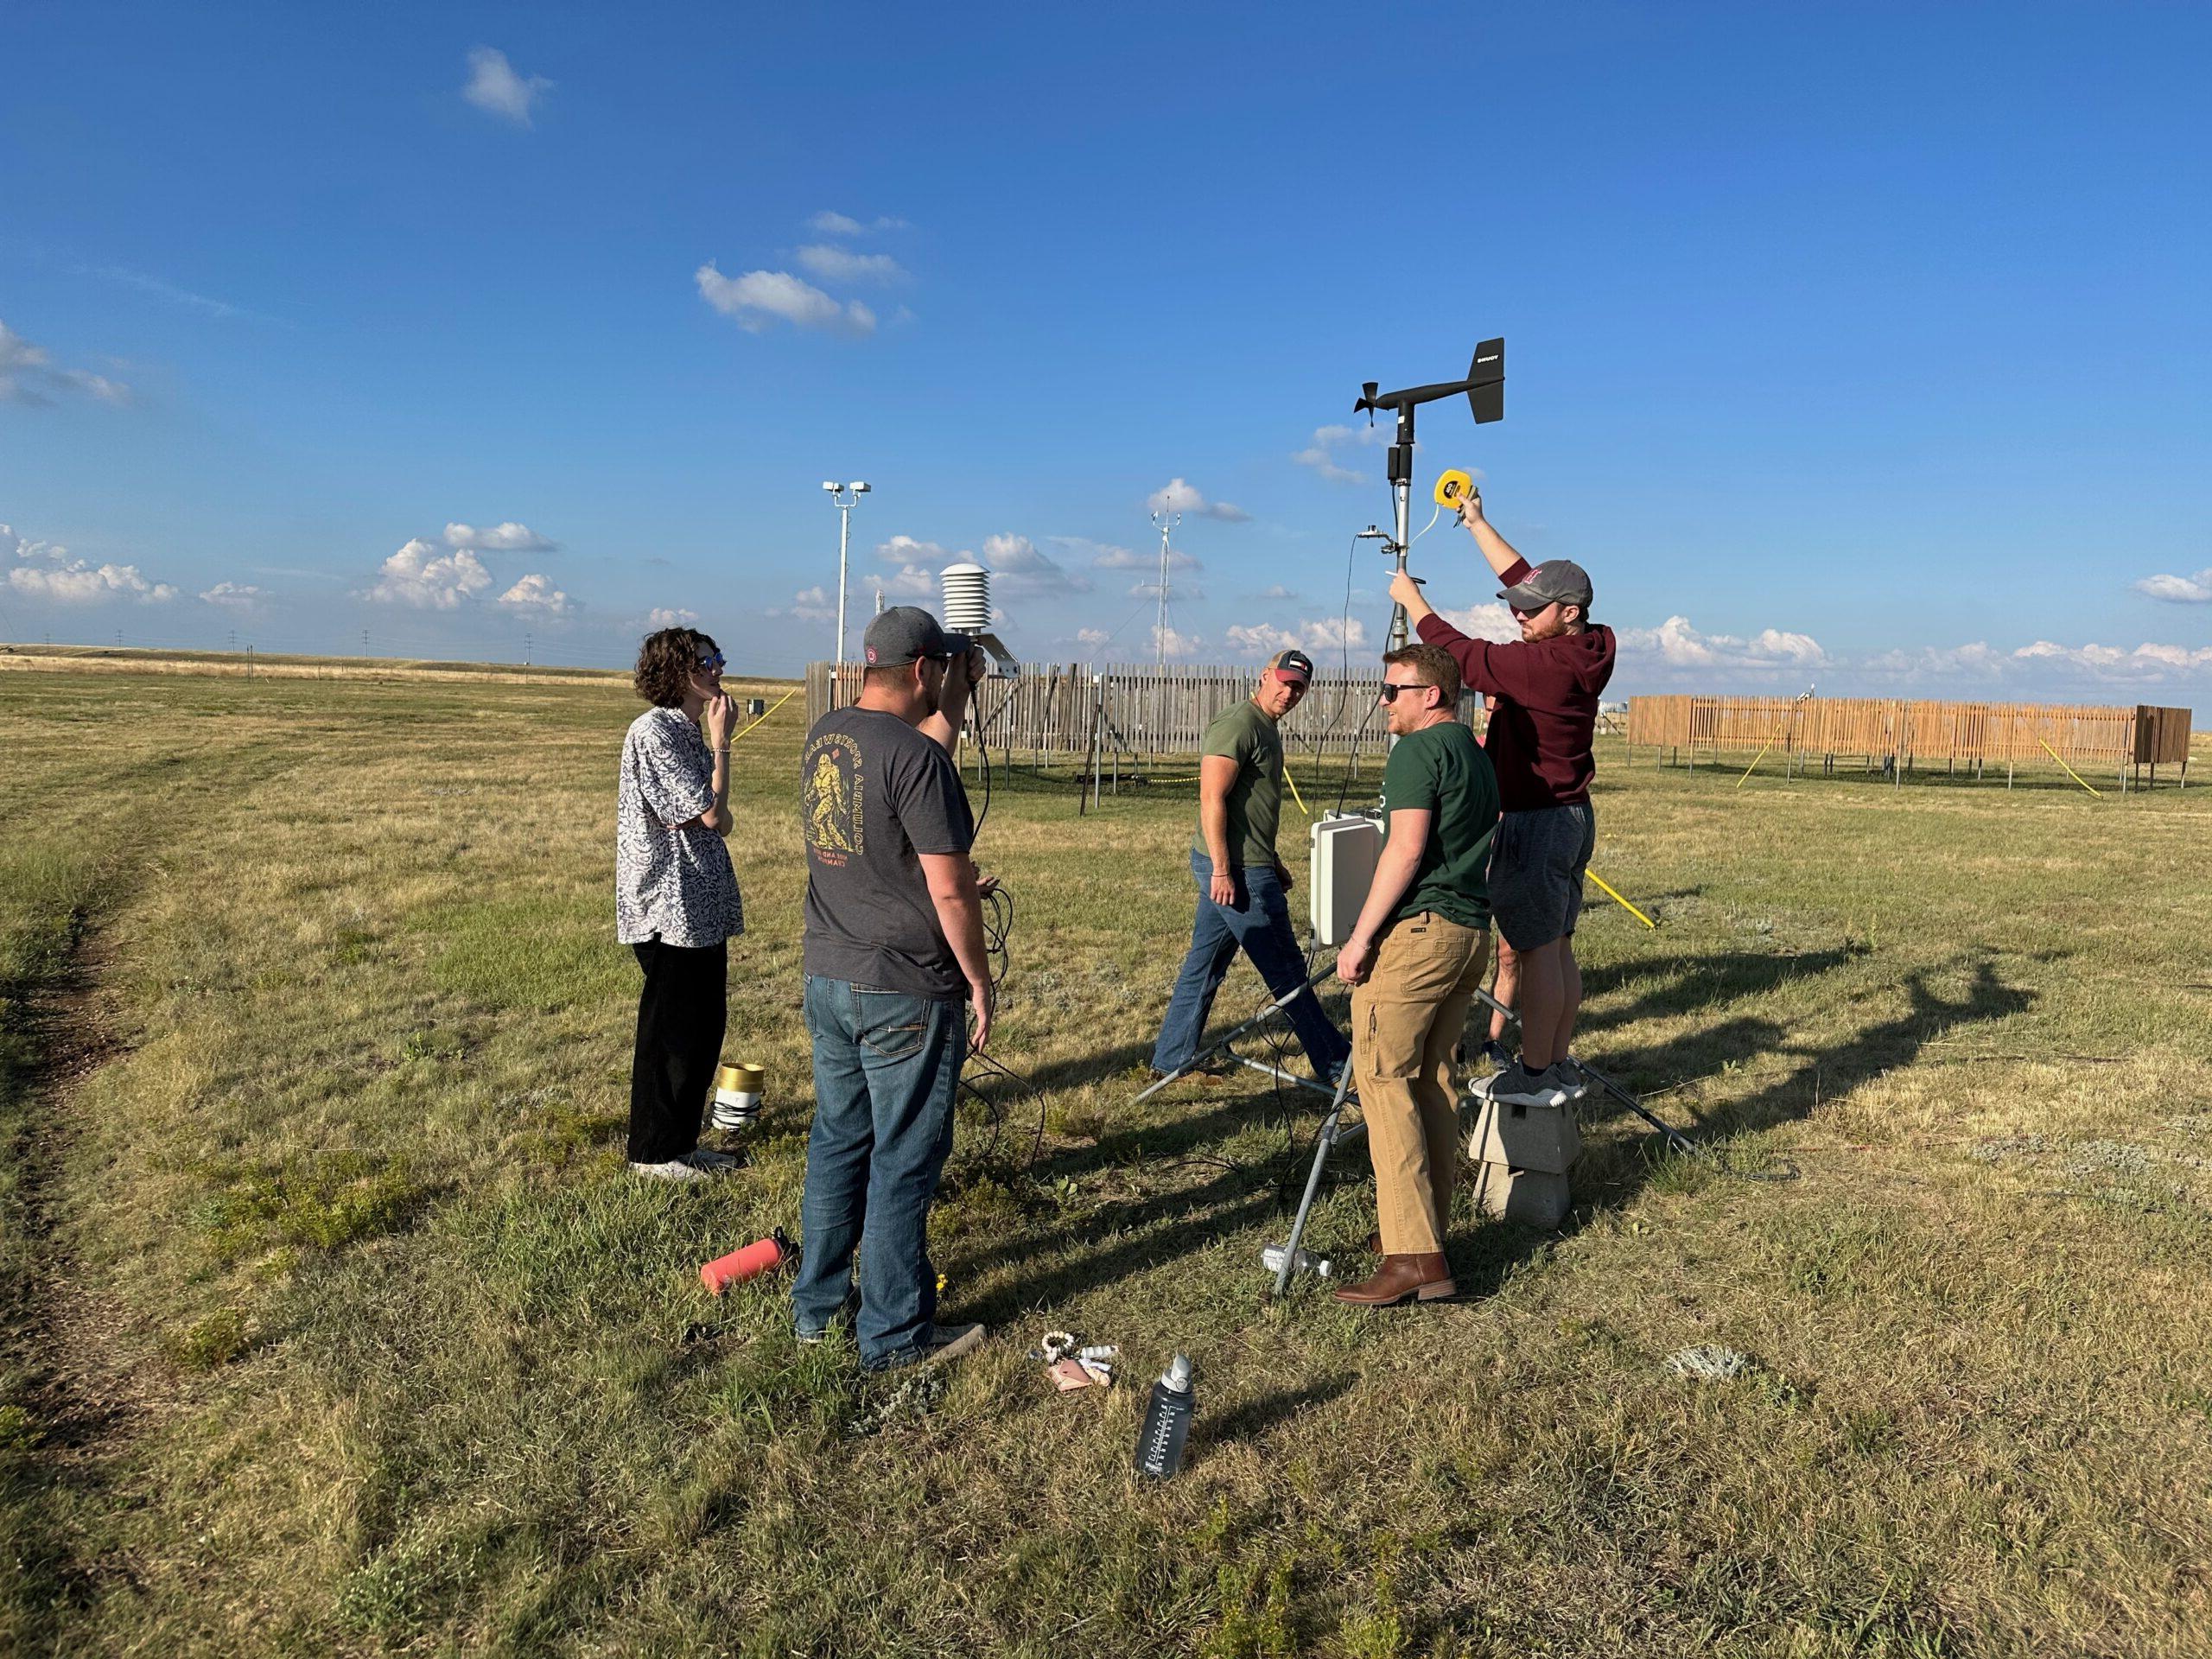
<point x="1406" y="1017"/>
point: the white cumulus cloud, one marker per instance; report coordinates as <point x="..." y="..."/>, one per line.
<point x="663" y="616"/>
<point x="1319" y="455"/>
<point x="2145" y="662"/>
<point x="843" y="265"/>
<point x="535" y="594"/>
<point x="1678" y="645"/>
<point x="418" y="574"/>
<point x="2179" y="590"/>
<point x="494" y="87"/>
<point x="232" y="596"/>
<point x="508" y="537"/>
<point x="835" y="224"/>
<point x="1175" y="642"/>
<point x="1130" y="558"/>
<point x="29" y="376"/>
<point x="758" y="297"/>
<point x="1327" y="634"/>
<point x="910" y="582"/>
<point x="1178" y="496"/>
<point x="904" y="550"/>
<point x="1493" y="621"/>
<point x="1017" y="566"/>
<point x="72" y="582"/>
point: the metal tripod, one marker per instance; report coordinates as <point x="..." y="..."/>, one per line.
<point x="1332" y="1131"/>
<point x="1272" y="1009"/>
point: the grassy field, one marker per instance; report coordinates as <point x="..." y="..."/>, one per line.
<point x="332" y="1322"/>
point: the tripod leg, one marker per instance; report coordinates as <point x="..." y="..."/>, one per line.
<point x="1276" y="1007"/>
<point x="1322" y="1142"/>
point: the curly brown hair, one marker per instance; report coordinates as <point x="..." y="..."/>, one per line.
<point x="666" y="662"/>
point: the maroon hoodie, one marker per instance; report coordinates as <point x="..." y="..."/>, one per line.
<point x="1546" y="692"/>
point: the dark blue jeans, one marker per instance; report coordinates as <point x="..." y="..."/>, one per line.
<point x="886" y="1067"/>
<point x="1259" y="922"/>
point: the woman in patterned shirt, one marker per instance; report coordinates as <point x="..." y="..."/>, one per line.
<point x="676" y="898"/>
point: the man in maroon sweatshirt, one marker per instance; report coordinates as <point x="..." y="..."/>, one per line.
<point x="1547" y="685"/>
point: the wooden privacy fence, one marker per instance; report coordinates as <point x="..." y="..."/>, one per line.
<point x="1052" y="707"/>
<point x="1897" y="733"/>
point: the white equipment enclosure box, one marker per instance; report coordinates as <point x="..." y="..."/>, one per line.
<point x="1346" y="851"/>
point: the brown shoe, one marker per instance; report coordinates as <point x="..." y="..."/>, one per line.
<point x="1404" y="1278"/>
<point x="1375" y="1242"/>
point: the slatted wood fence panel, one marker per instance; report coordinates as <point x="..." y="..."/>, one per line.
<point x="1916" y="731"/>
<point x="1050" y="708"/>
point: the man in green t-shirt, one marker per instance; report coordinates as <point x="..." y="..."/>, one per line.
<point x="1414" y="960"/>
<point x="1243" y="889"/>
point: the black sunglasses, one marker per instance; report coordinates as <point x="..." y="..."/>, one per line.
<point x="1391" y="690"/>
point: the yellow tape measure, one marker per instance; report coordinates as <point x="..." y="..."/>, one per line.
<point x="1453" y="488"/>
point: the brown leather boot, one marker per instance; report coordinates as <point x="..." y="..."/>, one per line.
<point x="1403" y="1278"/>
<point x="1375" y="1242"/>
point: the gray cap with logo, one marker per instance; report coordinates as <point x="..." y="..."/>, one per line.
<point x="1555" y="582"/>
<point x="907" y="633"/>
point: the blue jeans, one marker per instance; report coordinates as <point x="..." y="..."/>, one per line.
<point x="886" y="1067"/>
<point x="1258" y="921"/>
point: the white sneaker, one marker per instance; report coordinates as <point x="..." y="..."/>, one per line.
<point x="674" y="1170"/>
<point x="708" y="1159"/>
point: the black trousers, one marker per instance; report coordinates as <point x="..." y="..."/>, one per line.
<point x="682" y="1014"/>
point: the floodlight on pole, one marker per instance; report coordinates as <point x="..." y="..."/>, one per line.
<point x="845" y="498"/>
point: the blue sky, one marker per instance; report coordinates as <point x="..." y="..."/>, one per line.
<point x="1853" y="344"/>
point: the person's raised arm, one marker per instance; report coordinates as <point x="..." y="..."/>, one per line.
<point x="962" y="675"/>
<point x="1495" y="547"/>
<point x="951" y="878"/>
<point x="721" y="714"/>
<point x="1216" y="777"/>
<point x="1393" y="874"/>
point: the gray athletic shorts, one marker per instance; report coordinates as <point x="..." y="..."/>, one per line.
<point x="1536" y="861"/>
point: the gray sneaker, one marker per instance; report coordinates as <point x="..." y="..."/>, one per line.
<point x="1515" y="1087"/>
<point x="706" y="1158"/>
<point x="1570" y="1076"/>
<point x="675" y="1169"/>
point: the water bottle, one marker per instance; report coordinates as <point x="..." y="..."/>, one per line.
<point x="1166" y="1422"/>
<point x="1305" y="1261"/>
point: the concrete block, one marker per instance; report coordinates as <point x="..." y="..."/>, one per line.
<point x="1541" y="1138"/>
<point x="1534" y="1197"/>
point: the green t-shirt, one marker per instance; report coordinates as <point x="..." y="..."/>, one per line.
<point x="1442" y="770"/>
<point x="1249" y="738"/>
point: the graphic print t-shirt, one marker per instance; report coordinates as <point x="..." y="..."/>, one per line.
<point x="874" y="795"/>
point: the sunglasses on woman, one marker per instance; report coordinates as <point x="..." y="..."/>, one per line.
<point x="712" y="663"/>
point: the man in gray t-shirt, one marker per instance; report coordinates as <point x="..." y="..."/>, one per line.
<point x="894" y="961"/>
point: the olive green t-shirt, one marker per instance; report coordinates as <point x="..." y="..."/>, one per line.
<point x="1249" y="738"/>
<point x="1442" y="770"/>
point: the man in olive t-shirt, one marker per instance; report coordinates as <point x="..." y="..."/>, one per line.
<point x="1415" y="960"/>
<point x="1243" y="889"/>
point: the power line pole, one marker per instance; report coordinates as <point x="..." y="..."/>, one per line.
<point x="1166" y="521"/>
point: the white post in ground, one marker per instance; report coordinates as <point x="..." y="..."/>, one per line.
<point x="838" y="493"/>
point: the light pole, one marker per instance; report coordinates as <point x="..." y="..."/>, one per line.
<point x="1167" y="521"/>
<point x="845" y="498"/>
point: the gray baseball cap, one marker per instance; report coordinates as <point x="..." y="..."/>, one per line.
<point x="906" y="633"/>
<point x="1555" y="582"/>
